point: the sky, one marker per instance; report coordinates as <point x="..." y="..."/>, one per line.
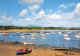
<point x="44" y="13"/>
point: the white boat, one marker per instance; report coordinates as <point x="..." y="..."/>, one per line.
<point x="77" y="36"/>
<point x="34" y="33"/>
<point x="67" y="38"/>
<point x="52" y="32"/>
<point x="44" y="37"/>
<point x="59" y="33"/>
<point x="28" y="43"/>
<point x="66" y="35"/>
<point x="47" y="33"/>
<point x="22" y="37"/>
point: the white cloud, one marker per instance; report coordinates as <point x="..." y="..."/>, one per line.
<point x="2" y="21"/>
<point x="34" y="7"/>
<point x="54" y="16"/>
<point x="23" y="12"/>
<point x="30" y="1"/>
<point x="62" y="6"/>
<point x="77" y="9"/>
<point x="7" y="19"/>
<point x="66" y="6"/>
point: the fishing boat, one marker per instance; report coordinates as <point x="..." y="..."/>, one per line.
<point x="23" y="51"/>
<point x="44" y="37"/>
<point x="28" y="43"/>
<point x="22" y="37"/>
<point x="67" y="38"/>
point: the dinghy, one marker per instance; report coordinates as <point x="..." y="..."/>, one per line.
<point x="23" y="51"/>
<point x="28" y="43"/>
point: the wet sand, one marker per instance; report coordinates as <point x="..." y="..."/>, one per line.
<point x="8" y="49"/>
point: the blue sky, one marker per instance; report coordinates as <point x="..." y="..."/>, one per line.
<point x="57" y="13"/>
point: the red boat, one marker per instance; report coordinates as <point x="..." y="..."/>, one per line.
<point x="23" y="51"/>
<point x="5" y="34"/>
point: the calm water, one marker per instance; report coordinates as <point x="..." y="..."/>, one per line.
<point x="53" y="39"/>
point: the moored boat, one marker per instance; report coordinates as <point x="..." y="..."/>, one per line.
<point x="5" y="34"/>
<point x="28" y="43"/>
<point x="44" y="37"/>
<point x="22" y="37"/>
<point x="67" y="38"/>
<point x="66" y="35"/>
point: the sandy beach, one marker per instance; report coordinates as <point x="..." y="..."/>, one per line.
<point x="24" y="30"/>
<point x="8" y="49"/>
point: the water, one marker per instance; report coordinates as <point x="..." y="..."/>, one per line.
<point x="53" y="39"/>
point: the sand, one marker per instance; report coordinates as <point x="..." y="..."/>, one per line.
<point x="7" y="49"/>
<point x="25" y="30"/>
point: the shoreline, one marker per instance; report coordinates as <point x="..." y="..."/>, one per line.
<point x="14" y="30"/>
<point x="10" y="50"/>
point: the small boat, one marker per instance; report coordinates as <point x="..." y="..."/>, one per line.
<point x="27" y="34"/>
<point x="47" y="33"/>
<point x="22" y="37"/>
<point x="77" y="36"/>
<point x="23" y="51"/>
<point x="44" y="37"/>
<point x="52" y="32"/>
<point x="59" y="33"/>
<point x="66" y="35"/>
<point x="28" y="43"/>
<point x="33" y="35"/>
<point x="67" y="38"/>
<point x="5" y="34"/>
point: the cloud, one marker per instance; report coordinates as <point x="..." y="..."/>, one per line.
<point x="62" y="6"/>
<point x="66" y="6"/>
<point x="5" y="18"/>
<point x="77" y="10"/>
<point x="30" y="2"/>
<point x="23" y="13"/>
<point x="34" y="7"/>
<point x="2" y="21"/>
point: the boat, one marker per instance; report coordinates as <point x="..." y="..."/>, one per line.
<point x="23" y="51"/>
<point x="59" y="33"/>
<point x="22" y="37"/>
<point x="27" y="34"/>
<point x="44" y="37"/>
<point x="77" y="36"/>
<point x="5" y="34"/>
<point x="52" y="32"/>
<point x="33" y="35"/>
<point x="66" y="35"/>
<point x="67" y="38"/>
<point x="28" y="43"/>
<point x="47" y="33"/>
